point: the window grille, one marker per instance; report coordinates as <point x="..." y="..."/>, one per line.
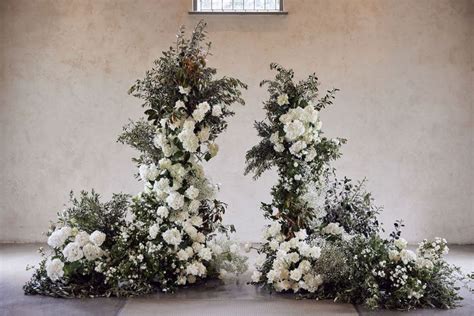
<point x="238" y="6"/>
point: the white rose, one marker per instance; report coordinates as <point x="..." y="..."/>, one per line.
<point x="200" y="112"/>
<point x="294" y="130"/>
<point x="189" y="140"/>
<point x="54" y="269"/>
<point x="82" y="238"/>
<point x="182" y="255"/>
<point x="172" y="236"/>
<point x="73" y="252"/>
<point x="296" y="274"/>
<point x="279" y="148"/>
<point x="164" y="163"/>
<point x="59" y="237"/>
<point x="407" y="256"/>
<point x="91" y="252"/>
<point x="97" y="238"/>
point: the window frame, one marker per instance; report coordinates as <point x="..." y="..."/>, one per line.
<point x="281" y="11"/>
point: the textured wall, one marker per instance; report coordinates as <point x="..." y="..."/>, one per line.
<point x="405" y="70"/>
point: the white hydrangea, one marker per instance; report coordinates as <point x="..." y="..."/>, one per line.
<point x="73" y="252"/>
<point x="205" y="254"/>
<point x="192" y="192"/>
<point x="293" y="130"/>
<point x="175" y="200"/>
<point x="59" y="237"/>
<point x="55" y="269"/>
<point x="97" y="238"/>
<point x="172" y="236"/>
<point x="91" y="252"/>
<point x="200" y="112"/>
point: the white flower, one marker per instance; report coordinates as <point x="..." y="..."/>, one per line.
<point x="194" y="206"/>
<point x="205" y="254"/>
<point x="164" y="163"/>
<point x="196" y="220"/>
<point x="82" y="238"/>
<point x="293" y="130"/>
<point x="310" y="114"/>
<point x="54" y="269"/>
<point x="153" y="231"/>
<point x="275" y="138"/>
<point x="319" y="125"/>
<point x="200" y="112"/>
<point x="311" y="154"/>
<point x="216" y="110"/>
<point x="73" y="252"/>
<point x="183" y="255"/>
<point x="162" y="212"/>
<point x="304" y="266"/>
<point x="400" y="243"/>
<point x="213" y="149"/>
<point x="172" y="236"/>
<point x="393" y="255"/>
<point x="333" y="229"/>
<point x="159" y="141"/>
<point x="256" y="276"/>
<point x="279" y="148"/>
<point x="184" y="90"/>
<point x="273" y="244"/>
<point x="59" y="237"/>
<point x="204" y="134"/>
<point x="282" y="99"/>
<point x="273" y="230"/>
<point x="175" y="200"/>
<point x="196" y="268"/>
<point x="97" y="238"/>
<point x="424" y="263"/>
<point x="297" y="147"/>
<point x="407" y="256"/>
<point x="247" y="247"/>
<point x="297" y="177"/>
<point x="189" y="140"/>
<point x="91" y="252"/>
<point x="191" y="231"/>
<point x="335" y="141"/>
<point x="261" y="259"/>
<point x="301" y="234"/>
<point x="315" y="252"/>
<point x="296" y="274"/>
<point x="192" y="192"/>
<point x="179" y="104"/>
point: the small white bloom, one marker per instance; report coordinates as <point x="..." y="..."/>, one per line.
<point x="179" y="104"/>
<point x="184" y="90"/>
<point x="247" y="247"/>
<point x="282" y="99"/>
<point x="256" y="276"/>
<point x="162" y="212"/>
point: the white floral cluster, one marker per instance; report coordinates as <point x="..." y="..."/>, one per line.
<point x="74" y="245"/>
<point x="291" y="268"/>
<point x="300" y="130"/>
<point x="179" y="186"/>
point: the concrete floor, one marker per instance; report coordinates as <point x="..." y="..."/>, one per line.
<point x="213" y="298"/>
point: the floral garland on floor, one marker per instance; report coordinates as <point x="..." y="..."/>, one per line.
<point x="170" y="234"/>
<point x="324" y="240"/>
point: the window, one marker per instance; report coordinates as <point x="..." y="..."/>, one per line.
<point x="238" y="7"/>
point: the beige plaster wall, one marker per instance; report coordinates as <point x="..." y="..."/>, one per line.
<point x="405" y="70"/>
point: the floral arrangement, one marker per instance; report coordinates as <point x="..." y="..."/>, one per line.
<point x="170" y="234"/>
<point x="324" y="241"/>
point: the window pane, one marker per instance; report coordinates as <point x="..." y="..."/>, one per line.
<point x="238" y="5"/>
